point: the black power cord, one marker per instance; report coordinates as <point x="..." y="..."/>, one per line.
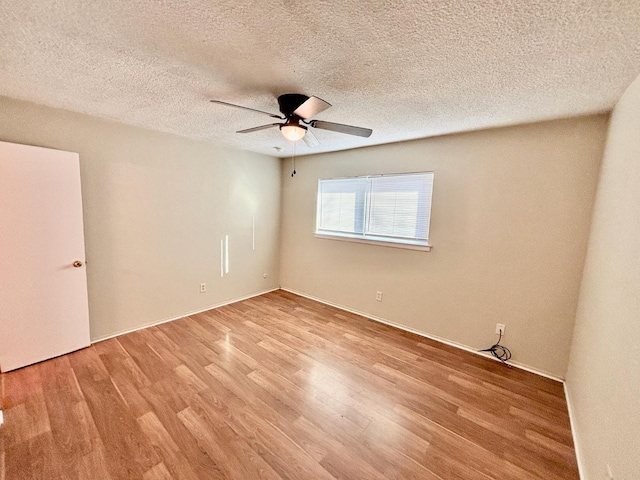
<point x="501" y="352"/>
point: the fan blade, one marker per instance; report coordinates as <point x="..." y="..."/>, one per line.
<point x="310" y="139"/>
<point x="261" y="127"/>
<point x="339" y="127"/>
<point x="311" y="107"/>
<point x="247" y="108"/>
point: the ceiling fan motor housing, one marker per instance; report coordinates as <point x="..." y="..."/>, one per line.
<point x="289" y="102"/>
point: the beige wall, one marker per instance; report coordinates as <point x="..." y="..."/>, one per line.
<point x="510" y="220"/>
<point x="603" y="381"/>
<point x="155" y="208"/>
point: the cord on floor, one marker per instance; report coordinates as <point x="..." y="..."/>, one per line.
<point x="501" y="352"/>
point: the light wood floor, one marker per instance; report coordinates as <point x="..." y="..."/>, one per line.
<point x="279" y="386"/>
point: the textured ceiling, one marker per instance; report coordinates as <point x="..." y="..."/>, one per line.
<point x="407" y="69"/>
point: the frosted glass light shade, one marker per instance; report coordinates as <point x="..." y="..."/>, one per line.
<point x="293" y="132"/>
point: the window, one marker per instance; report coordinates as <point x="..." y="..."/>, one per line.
<point x="393" y="209"/>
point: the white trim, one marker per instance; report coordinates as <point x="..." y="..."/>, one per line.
<point x="377" y="175"/>
<point x="382" y="243"/>
<point x="159" y="322"/>
<point x="426" y="335"/>
<point x="574" y="433"/>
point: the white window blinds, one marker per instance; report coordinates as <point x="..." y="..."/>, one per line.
<point x="388" y="208"/>
<point x="342" y="201"/>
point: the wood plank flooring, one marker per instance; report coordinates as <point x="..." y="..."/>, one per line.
<point x="279" y="386"/>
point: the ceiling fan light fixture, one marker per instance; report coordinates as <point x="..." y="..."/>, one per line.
<point x="292" y="131"/>
<point x="296" y="108"/>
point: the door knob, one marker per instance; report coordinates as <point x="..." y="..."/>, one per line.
<point x="77" y="264"/>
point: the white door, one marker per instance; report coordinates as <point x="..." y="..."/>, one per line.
<point x="43" y="284"/>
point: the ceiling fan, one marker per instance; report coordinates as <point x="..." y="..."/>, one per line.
<point x="297" y="110"/>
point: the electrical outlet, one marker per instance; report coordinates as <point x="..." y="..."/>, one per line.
<point x="203" y="287"/>
<point x="500" y="329"/>
<point x="379" y="296"/>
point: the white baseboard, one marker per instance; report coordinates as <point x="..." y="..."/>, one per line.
<point x="341" y="307"/>
<point x="165" y="320"/>
<point x="572" y="422"/>
<point x="427" y="335"/>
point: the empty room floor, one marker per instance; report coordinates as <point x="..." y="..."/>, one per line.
<point x="279" y="386"/>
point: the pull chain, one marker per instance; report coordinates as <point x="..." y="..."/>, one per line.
<point x="293" y="159"/>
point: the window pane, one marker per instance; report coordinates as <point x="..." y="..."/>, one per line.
<point x="399" y="206"/>
<point x="338" y="211"/>
<point x="341" y="205"/>
<point x="394" y="214"/>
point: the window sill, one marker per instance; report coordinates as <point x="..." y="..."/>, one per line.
<point x="406" y="246"/>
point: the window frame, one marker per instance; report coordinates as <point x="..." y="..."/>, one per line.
<point x="380" y="240"/>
